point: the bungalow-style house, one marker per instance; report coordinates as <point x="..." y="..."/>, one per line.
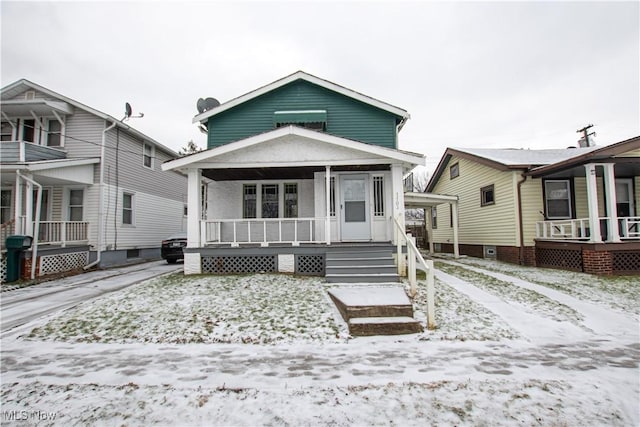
<point x="296" y="169"/>
<point x="86" y="186"/>
<point x="574" y="208"/>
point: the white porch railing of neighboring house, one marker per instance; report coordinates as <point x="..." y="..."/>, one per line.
<point x="415" y="261"/>
<point x="579" y="229"/>
<point x="62" y="232"/>
<point x="263" y="231"/>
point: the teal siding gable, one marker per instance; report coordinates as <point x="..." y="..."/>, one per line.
<point x="346" y="117"/>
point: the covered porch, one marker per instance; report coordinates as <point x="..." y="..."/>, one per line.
<point x="591" y="220"/>
<point x="291" y="187"/>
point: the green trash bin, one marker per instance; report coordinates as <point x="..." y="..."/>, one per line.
<point x="16" y="244"/>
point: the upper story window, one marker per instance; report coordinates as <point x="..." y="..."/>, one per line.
<point x="147" y="155"/>
<point x="454" y="170"/>
<point x="54" y="133"/>
<point x="310" y="119"/>
<point x="6" y="132"/>
<point x="29" y="130"/>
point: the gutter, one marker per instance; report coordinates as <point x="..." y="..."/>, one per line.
<point x="34" y="250"/>
<point x="520" y="221"/>
<point x="101" y="198"/>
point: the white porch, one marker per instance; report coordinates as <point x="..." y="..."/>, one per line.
<point x="597" y="228"/>
<point x="292" y="186"/>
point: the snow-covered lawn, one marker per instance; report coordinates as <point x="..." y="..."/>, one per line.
<point x="514" y="346"/>
<point x="257" y="309"/>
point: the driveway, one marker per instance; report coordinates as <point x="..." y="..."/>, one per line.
<point x="23" y="305"/>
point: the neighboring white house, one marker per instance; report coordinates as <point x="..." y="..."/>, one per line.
<point x="96" y="182"/>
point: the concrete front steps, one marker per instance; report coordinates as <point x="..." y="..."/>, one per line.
<point x="361" y="264"/>
<point x="375" y="310"/>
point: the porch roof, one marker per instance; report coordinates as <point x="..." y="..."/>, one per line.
<point x="292" y="150"/>
<point x="41" y="107"/>
<point x="62" y="171"/>
<point x="426" y="200"/>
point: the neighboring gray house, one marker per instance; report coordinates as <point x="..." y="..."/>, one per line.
<point x="96" y="182"/>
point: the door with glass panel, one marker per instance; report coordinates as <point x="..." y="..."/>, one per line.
<point x="354" y="207"/>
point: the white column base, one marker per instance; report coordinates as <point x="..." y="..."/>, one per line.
<point x="192" y="264"/>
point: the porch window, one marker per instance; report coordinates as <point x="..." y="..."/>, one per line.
<point x="332" y="196"/>
<point x="5" y="206"/>
<point x="147" y="155"/>
<point x="76" y="202"/>
<point x="270" y="201"/>
<point x="54" y="133"/>
<point x="487" y="195"/>
<point x="249" y="201"/>
<point x="557" y="198"/>
<point x="378" y="196"/>
<point x="127" y="208"/>
<point x="624" y="197"/>
<point x="291" y="200"/>
<point x="6" y="134"/>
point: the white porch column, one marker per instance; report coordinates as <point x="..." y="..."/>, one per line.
<point x="28" y="212"/>
<point x="327" y="187"/>
<point x="192" y="263"/>
<point x="592" y="203"/>
<point x="194" y="214"/>
<point x="430" y="228"/>
<point x="17" y="208"/>
<point x="454" y="213"/>
<point x="613" y="234"/>
<point x="397" y="191"/>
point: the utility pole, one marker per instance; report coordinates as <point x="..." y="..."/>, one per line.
<point x="584" y="141"/>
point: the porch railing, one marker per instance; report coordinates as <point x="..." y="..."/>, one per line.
<point x="580" y="229"/>
<point x="263" y="231"/>
<point x="62" y="232"/>
<point x="415" y="261"/>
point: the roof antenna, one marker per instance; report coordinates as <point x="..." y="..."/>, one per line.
<point x="128" y="111"/>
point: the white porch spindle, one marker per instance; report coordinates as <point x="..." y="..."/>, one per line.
<point x="612" y="202"/>
<point x="592" y="202"/>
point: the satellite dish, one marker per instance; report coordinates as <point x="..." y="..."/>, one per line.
<point x="127" y="110"/>
<point x="210" y="103"/>
<point x="201" y="106"/>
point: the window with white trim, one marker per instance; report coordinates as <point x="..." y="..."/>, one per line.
<point x="54" y="133"/>
<point x="487" y="195"/>
<point x="557" y="194"/>
<point x="249" y="200"/>
<point x="127" y="208"/>
<point x="291" y="200"/>
<point x="6" y="132"/>
<point x="332" y="196"/>
<point x="5" y="206"/>
<point x="147" y="155"/>
<point x="270" y="201"/>
<point x="378" y="196"/>
<point x="434" y="217"/>
<point x="76" y="204"/>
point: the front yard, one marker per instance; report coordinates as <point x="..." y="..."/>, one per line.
<point x="273" y="350"/>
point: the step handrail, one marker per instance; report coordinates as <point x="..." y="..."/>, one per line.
<point x="413" y="255"/>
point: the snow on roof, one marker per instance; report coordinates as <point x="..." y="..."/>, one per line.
<point x="513" y="156"/>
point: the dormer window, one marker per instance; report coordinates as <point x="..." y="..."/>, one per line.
<point x="310" y="119"/>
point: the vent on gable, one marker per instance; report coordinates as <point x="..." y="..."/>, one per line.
<point x="30" y="95"/>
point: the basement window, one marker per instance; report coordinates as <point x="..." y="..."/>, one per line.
<point x="310" y="119"/>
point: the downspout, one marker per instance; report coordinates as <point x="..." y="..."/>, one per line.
<point x="34" y="251"/>
<point x="520" y="221"/>
<point x="101" y="199"/>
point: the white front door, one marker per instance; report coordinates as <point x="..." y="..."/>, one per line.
<point x="354" y="207"/>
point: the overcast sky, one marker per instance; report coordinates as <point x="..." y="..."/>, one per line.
<point x="472" y="74"/>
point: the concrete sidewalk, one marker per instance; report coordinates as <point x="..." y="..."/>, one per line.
<point x="23" y="305"/>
